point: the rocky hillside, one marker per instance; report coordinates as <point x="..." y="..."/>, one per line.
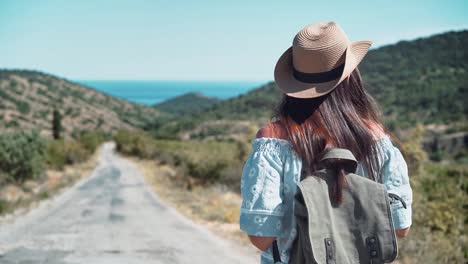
<point x="27" y="100"/>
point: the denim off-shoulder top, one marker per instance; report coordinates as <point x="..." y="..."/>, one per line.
<point x="268" y="186"/>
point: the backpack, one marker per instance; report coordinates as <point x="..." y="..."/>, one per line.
<point x="359" y="230"/>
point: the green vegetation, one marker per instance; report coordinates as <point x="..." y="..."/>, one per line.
<point x="419" y="82"/>
<point x="255" y="104"/>
<point x="137" y="144"/>
<point x="189" y="103"/>
<point x="30" y="95"/>
<point x="56" y="124"/>
<point x="206" y="162"/>
<point x="424" y="80"/>
<point x="440" y="209"/>
<point x="25" y="155"/>
<point x="70" y="151"/>
<point x="91" y="140"/>
<point x="168" y="128"/>
<point x="22" y="106"/>
<point x="440" y="189"/>
<point x="21" y="156"/>
<point x="65" y="152"/>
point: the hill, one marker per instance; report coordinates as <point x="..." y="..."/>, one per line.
<point x="421" y="80"/>
<point x="424" y="80"/>
<point x="187" y="103"/>
<point x="27" y="100"/>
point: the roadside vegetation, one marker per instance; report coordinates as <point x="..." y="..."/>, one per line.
<point x="28" y="161"/>
<point x="440" y="207"/>
<point x="197" y="176"/>
<point x="201" y="162"/>
<point x="201" y="179"/>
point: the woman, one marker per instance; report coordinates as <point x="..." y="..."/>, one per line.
<point x="324" y="105"/>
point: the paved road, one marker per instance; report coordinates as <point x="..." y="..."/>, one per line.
<point x="111" y="217"/>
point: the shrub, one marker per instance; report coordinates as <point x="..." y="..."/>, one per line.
<point x="56" y="154"/>
<point x="23" y="107"/>
<point x="206" y="161"/>
<point x="124" y="141"/>
<point x="439" y="210"/>
<point x="66" y="152"/>
<point x="135" y="143"/>
<point x="21" y="156"/>
<point x="3" y="206"/>
<point x="91" y="140"/>
<point x="75" y="152"/>
<point x="206" y="171"/>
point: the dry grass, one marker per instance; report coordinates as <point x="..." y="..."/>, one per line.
<point x="15" y="198"/>
<point x="213" y="206"/>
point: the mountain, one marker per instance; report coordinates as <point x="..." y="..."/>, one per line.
<point x="423" y="80"/>
<point x="187" y="103"/>
<point x="27" y="100"/>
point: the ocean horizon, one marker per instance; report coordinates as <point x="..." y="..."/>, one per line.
<point x="158" y="91"/>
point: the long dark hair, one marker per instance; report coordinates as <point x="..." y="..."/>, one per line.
<point x="342" y="118"/>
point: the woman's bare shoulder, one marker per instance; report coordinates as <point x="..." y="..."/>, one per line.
<point x="377" y="130"/>
<point x="273" y="130"/>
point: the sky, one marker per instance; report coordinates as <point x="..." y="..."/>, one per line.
<point x="195" y="40"/>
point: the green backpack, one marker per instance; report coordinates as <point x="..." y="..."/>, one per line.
<point x="359" y="230"/>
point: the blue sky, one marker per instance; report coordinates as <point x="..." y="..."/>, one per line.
<point x="195" y="40"/>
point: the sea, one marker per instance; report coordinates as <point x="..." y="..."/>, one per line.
<point x="155" y="92"/>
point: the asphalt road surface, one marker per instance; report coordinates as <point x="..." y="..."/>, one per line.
<point x="111" y="217"/>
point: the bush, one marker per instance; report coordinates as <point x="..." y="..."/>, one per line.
<point x="21" y="156"/>
<point x="439" y="209"/>
<point x="206" y="171"/>
<point x="91" y="140"/>
<point x="135" y="143"/>
<point x="3" y="206"/>
<point x="66" y="152"/>
<point x="207" y="161"/>
<point x="75" y="152"/>
<point x="23" y="107"/>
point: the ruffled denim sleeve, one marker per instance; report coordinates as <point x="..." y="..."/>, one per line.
<point x="261" y="185"/>
<point x="394" y="172"/>
<point x="396" y="181"/>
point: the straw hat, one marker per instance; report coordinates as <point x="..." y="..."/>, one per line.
<point x="320" y="58"/>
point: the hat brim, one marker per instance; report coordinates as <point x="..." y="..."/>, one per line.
<point x="285" y="80"/>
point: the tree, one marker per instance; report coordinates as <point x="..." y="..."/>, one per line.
<point x="56" y="123"/>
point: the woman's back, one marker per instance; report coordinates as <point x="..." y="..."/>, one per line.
<point x="324" y="105"/>
<point x="269" y="180"/>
